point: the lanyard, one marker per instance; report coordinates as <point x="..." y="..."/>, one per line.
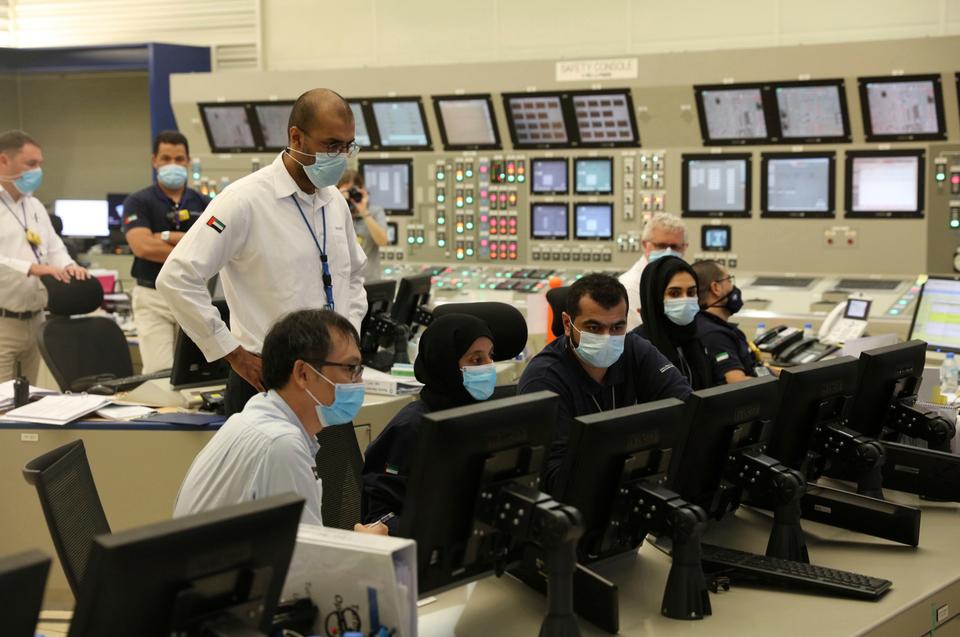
<point x="613" y="391"/>
<point x="325" y="267"/>
<point x="26" y="230"/>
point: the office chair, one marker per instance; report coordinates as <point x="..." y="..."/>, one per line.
<point x="71" y="505"/>
<point x="557" y="298"/>
<point x="339" y="464"/>
<point x="81" y="352"/>
<point x="506" y="322"/>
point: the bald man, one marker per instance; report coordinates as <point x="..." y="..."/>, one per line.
<point x="282" y="239"/>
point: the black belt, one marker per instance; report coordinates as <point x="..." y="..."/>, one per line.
<point x="147" y="284"/>
<point x="23" y="316"/>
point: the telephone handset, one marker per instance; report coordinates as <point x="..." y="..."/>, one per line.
<point x="777" y="339"/>
<point x="847" y="321"/>
<point x="807" y="350"/>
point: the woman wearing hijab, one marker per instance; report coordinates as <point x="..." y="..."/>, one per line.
<point x="668" y="307"/>
<point x="455" y="365"/>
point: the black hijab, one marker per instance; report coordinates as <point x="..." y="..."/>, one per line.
<point x="447" y="339"/>
<point x="667" y="336"/>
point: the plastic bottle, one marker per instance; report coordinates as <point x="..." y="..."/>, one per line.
<point x="761" y="328"/>
<point x="808" y="330"/>
<point x="948" y="375"/>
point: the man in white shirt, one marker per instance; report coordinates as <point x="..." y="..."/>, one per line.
<point x="665" y="234"/>
<point x="311" y="370"/>
<point x="29" y="249"/>
<point x="281" y="238"/>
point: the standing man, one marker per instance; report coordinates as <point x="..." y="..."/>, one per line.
<point x="369" y="222"/>
<point x="282" y="239"/>
<point x="29" y="249"/>
<point x="154" y="220"/>
<point x="664" y="234"/>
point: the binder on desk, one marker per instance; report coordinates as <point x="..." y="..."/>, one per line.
<point x="57" y="410"/>
<point x="359" y="582"/>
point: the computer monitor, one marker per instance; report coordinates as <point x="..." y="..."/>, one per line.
<point x="716" y="238"/>
<point x="811" y="112"/>
<point x="228" y="127"/>
<point x="884" y="183"/>
<point x="936" y="315"/>
<point x="272" y="119"/>
<point x="902" y="108"/>
<point x="538" y="120"/>
<point x="390" y="184"/>
<point x="190" y="367"/>
<point x="215" y="573"/>
<point x="400" y="123"/>
<point x="362" y="132"/>
<point x="413" y="293"/>
<point x="393" y="233"/>
<point x="22" y="580"/>
<point x="605" y="118"/>
<point x="593" y="175"/>
<point x="83" y="218"/>
<point x="716" y="185"/>
<point x="377" y="326"/>
<point x="797" y="185"/>
<point x="115" y="210"/>
<point x="732" y="114"/>
<point x="467" y="122"/>
<point x="593" y="222"/>
<point x="549" y="221"/>
<point x="550" y="175"/>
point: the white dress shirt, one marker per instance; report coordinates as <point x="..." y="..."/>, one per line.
<point x="269" y="265"/>
<point x="20" y="292"/>
<point x="631" y="281"/>
<point x="260" y="452"/>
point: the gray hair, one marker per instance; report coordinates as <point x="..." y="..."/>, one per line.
<point x="666" y="222"/>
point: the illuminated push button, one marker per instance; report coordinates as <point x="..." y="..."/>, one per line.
<point x="441" y="243"/>
<point x="441" y="221"/>
<point x="469" y="225"/>
<point x="469" y="171"/>
<point x="411" y="239"/>
<point x="469" y="197"/>
<point x="469" y="252"/>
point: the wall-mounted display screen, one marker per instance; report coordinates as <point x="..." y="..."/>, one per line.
<point x="83" y="217"/>
<point x="272" y="119"/>
<point x="604" y="118"/>
<point x="466" y="122"/>
<point x="902" y="108"/>
<point x="228" y="127"/>
<point x="536" y="120"/>
<point x="549" y="176"/>
<point x="797" y="185"/>
<point x="549" y="221"/>
<point x="400" y="124"/>
<point x="362" y="134"/>
<point x="716" y="185"/>
<point x="812" y="111"/>
<point x="593" y="221"/>
<point x="732" y="114"/>
<point x="715" y="238"/>
<point x="390" y="184"/>
<point x="593" y="176"/>
<point x="883" y="184"/>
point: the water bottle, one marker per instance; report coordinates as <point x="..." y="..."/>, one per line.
<point x="761" y="328"/>
<point x="808" y="330"/>
<point x="948" y="375"/>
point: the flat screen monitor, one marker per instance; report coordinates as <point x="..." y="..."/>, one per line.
<point x="732" y="114"/>
<point x="228" y="128"/>
<point x="594" y="221"/>
<point x="716" y="185"/>
<point x="936" y="316"/>
<point x="593" y="176"/>
<point x="797" y="184"/>
<point x="466" y="122"/>
<point x="190" y="367"/>
<point x="902" y="108"/>
<point x="413" y="292"/>
<point x="401" y="124"/>
<point x="537" y="120"/>
<point x="716" y="238"/>
<point x="362" y="134"/>
<point x="393" y="233"/>
<point x="605" y="118"/>
<point x="550" y="176"/>
<point x="390" y="184"/>
<point x="884" y="183"/>
<point x="83" y="217"/>
<point x="115" y="209"/>
<point x="22" y="580"/>
<point x="812" y="112"/>
<point x="886" y="375"/>
<point x="549" y="221"/>
<point x="273" y="118"/>
<point x="216" y="573"/>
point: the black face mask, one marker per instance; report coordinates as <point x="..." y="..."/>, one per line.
<point x="732" y="302"/>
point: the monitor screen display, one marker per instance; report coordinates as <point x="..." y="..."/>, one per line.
<point x="400" y="123"/>
<point x="884" y="183"/>
<point x="537" y="120"/>
<point x="811" y="112"/>
<point x="115" y="209"/>
<point x="716" y="185"/>
<point x="549" y="221"/>
<point x="594" y="176"/>
<point x="273" y="120"/>
<point x="549" y="176"/>
<point x="857" y="309"/>
<point x="604" y="118"/>
<point x="389" y="185"/>
<point x="467" y="122"/>
<point x="83" y="217"/>
<point x="228" y="127"/>
<point x="798" y="184"/>
<point x="902" y="108"/>
<point x="936" y="319"/>
<point x="594" y="221"/>
<point x="733" y="114"/>
<point x="362" y="134"/>
<point x="716" y="239"/>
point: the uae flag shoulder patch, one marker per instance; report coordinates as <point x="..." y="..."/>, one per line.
<point x="216" y="224"/>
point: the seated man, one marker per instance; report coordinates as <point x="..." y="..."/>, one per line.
<point x="312" y="372"/>
<point x="596" y="365"/>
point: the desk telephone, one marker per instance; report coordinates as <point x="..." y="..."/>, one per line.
<point x="847" y="321"/>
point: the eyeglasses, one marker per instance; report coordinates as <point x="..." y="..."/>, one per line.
<point x="336" y="150"/>
<point x="729" y="277"/>
<point x="356" y="371"/>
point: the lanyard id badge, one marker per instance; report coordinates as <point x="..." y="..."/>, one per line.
<point x="324" y="265"/>
<point x="32" y="236"/>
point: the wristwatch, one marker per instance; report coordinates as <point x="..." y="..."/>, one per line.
<point x="165" y="235"/>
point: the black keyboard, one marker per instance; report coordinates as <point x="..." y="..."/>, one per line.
<point x="739" y="565"/>
<point x="130" y="382"/>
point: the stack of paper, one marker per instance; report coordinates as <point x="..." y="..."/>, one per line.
<point x="125" y="412"/>
<point x="6" y="393"/>
<point x="377" y="382"/>
<point x="57" y="410"/>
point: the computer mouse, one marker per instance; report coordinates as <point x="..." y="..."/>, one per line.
<point x="101" y="390"/>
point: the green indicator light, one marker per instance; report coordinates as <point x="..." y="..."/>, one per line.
<point x="441" y="221"/>
<point x="469" y="252"/>
<point x="469" y="173"/>
<point x="441" y="198"/>
<point x="521" y="178"/>
<point x="441" y="243"/>
<point x="469" y="199"/>
<point x="441" y="176"/>
<point x="510" y="178"/>
<point x="955" y="223"/>
<point x="419" y="239"/>
<point x="469" y="225"/>
<point x="411" y="240"/>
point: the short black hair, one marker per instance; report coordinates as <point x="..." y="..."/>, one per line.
<point x="170" y="137"/>
<point x="602" y="288"/>
<point x="301" y="335"/>
<point x="708" y="272"/>
<point x="14" y="140"/>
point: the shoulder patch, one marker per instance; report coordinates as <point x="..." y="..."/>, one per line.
<point x="722" y="356"/>
<point x="216" y="224"/>
<point x="666" y="367"/>
<point x="130" y="219"/>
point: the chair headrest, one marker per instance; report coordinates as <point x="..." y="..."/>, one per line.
<point x="75" y="297"/>
<point x="505" y="321"/>
<point x="557" y="298"/>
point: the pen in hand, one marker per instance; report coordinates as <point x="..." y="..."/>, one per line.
<point x="383" y="520"/>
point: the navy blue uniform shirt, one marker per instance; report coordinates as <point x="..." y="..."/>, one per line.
<point x="642" y="374"/>
<point x="726" y="344"/>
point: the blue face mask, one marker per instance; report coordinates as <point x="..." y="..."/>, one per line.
<point x="28" y="182"/>
<point x="599" y="350"/>
<point x="681" y="311"/>
<point x="324" y="171"/>
<point x="172" y="175"/>
<point x="659" y="254"/>
<point x="480" y="380"/>
<point x="347" y="400"/>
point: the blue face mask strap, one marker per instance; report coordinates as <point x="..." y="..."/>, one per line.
<point x="325" y="267"/>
